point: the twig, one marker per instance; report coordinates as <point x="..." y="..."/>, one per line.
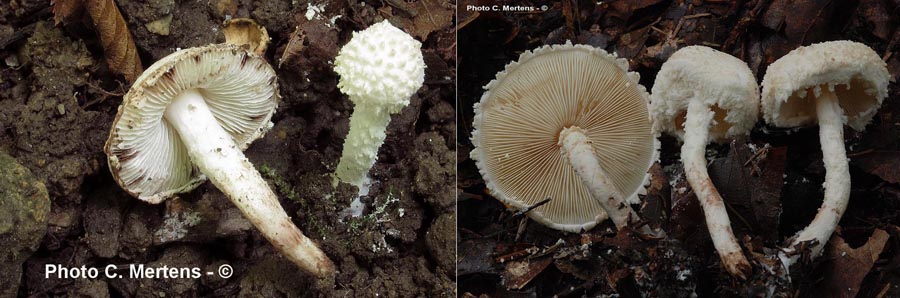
<point x="738" y="215"/>
<point x="697" y="15"/>
<point x="883" y="290"/>
<point x="756" y="155"/>
<point x="532" y="207"/>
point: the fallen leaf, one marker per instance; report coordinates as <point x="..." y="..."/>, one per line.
<point x="848" y="266"/>
<point x="518" y="273"/>
<point x="475" y="256"/>
<point x="687" y="222"/>
<point x="293" y="48"/>
<point x="623" y="9"/>
<point x="804" y="21"/>
<point x="877" y="17"/>
<point x="655" y="207"/>
<point x="63" y="9"/>
<point x="311" y="46"/>
<point x="631" y="43"/>
<point x="423" y="17"/>
<point x="118" y="46"/>
<point x="750" y="183"/>
<point x="884" y="164"/>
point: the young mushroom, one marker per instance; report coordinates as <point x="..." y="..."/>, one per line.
<point x="380" y="68"/>
<point x="188" y="117"/>
<point x="703" y="95"/>
<point x="568" y="123"/>
<point x="832" y="84"/>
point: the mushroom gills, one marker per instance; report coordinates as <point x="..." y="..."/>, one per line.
<point x="577" y="149"/>
<point x="214" y="152"/>
<point x="837" y="179"/>
<point x="693" y="155"/>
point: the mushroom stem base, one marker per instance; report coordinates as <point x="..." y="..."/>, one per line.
<point x="837" y="180"/>
<point x="214" y="152"/>
<point x="693" y="155"/>
<point x="578" y="151"/>
<point x="368" y="125"/>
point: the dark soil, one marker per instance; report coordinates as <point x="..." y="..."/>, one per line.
<point x="58" y="100"/>
<point x="770" y="195"/>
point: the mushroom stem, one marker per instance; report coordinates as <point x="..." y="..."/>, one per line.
<point x="214" y="152"/>
<point x="367" y="132"/>
<point x="578" y="150"/>
<point x="693" y="155"/>
<point x="837" y="180"/>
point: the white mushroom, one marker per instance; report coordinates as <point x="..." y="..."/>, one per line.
<point x="188" y="117"/>
<point x="832" y="84"/>
<point x="380" y="68"/>
<point x="569" y="123"/>
<point x="703" y="95"/>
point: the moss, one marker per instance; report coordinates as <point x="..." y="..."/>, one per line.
<point x="281" y="185"/>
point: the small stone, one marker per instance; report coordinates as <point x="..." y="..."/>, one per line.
<point x="160" y="26"/>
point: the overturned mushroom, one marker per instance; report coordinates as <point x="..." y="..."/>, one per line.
<point x="832" y="84"/>
<point x="246" y="32"/>
<point x="380" y="68"/>
<point x="569" y="123"/>
<point x="701" y="94"/>
<point x="188" y="117"/>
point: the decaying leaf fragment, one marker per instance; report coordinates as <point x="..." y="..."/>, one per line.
<point x="243" y="31"/>
<point x="118" y="46"/>
<point x="294" y="46"/>
<point x="883" y="164"/>
<point x="421" y="18"/>
<point x="63" y="9"/>
<point x="849" y="266"/>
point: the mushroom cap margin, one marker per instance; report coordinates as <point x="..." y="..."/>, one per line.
<point x="860" y="75"/>
<point x="591" y="213"/>
<point x="139" y="123"/>
<point x="717" y="78"/>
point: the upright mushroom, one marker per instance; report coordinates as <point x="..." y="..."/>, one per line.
<point x="832" y="84"/>
<point x="569" y="123"/>
<point x="701" y="94"/>
<point x="188" y="117"/>
<point x="380" y="68"/>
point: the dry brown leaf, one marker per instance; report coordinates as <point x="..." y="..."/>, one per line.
<point x="751" y="183"/>
<point x="519" y="273"/>
<point x="63" y="9"/>
<point x="118" y="46"/>
<point x="294" y="47"/>
<point x="849" y="266"/>
<point x="426" y="16"/>
<point x="884" y="164"/>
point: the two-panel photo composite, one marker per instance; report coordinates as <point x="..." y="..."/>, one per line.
<point x="450" y="148"/>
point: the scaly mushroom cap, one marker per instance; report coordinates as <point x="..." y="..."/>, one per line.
<point x="520" y="116"/>
<point x="381" y="65"/>
<point x="857" y="74"/>
<point x="146" y="155"/>
<point x="724" y="82"/>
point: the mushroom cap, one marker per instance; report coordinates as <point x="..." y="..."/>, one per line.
<point x="246" y="32"/>
<point x="381" y="65"/>
<point x="724" y="82"/>
<point x="859" y="76"/>
<point x="519" y="119"/>
<point x="145" y="153"/>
